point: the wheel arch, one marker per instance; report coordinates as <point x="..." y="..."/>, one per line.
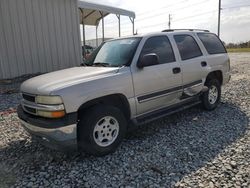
<point x="215" y="74"/>
<point x="118" y="100"/>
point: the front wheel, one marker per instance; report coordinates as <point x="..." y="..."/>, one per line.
<point x="211" y="98"/>
<point x="101" y="130"/>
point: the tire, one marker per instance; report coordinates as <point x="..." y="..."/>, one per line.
<point x="210" y="99"/>
<point x="101" y="130"/>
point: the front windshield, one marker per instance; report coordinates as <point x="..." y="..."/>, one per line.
<point x="115" y="53"/>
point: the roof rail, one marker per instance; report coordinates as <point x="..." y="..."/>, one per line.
<point x="171" y="30"/>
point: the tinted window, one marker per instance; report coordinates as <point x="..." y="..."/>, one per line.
<point x="160" y="46"/>
<point x="187" y="46"/>
<point x="212" y="43"/>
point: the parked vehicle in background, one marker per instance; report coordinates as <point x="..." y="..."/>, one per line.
<point x="87" y="50"/>
<point x="126" y="81"/>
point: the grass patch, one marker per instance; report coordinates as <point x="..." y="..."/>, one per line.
<point x="238" y="49"/>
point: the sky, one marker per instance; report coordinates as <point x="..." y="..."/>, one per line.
<point x="153" y="16"/>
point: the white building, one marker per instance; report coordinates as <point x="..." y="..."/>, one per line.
<point x="38" y="36"/>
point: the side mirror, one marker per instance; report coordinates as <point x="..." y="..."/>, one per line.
<point x="148" y="60"/>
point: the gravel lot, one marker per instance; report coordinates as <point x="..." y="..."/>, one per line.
<point x="193" y="148"/>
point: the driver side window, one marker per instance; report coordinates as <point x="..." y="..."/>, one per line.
<point x="160" y="45"/>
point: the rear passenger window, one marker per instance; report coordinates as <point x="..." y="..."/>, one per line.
<point x="212" y="43"/>
<point x="161" y="46"/>
<point x="187" y="46"/>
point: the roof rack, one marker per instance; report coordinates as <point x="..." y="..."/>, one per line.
<point x="171" y="30"/>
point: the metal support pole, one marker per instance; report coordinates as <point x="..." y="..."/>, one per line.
<point x="119" y="24"/>
<point x="219" y="18"/>
<point x="133" y="22"/>
<point x="83" y="33"/>
<point x="169" y="21"/>
<point x="96" y="35"/>
<point x="133" y="26"/>
<point x="102" y="26"/>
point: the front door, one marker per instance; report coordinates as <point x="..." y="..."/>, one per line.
<point x="159" y="85"/>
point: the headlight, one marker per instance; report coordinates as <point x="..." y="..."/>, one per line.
<point x="52" y="106"/>
<point x="49" y="100"/>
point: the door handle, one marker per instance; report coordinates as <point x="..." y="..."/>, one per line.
<point x="176" y="70"/>
<point x="203" y="63"/>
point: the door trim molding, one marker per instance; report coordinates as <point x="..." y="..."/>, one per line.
<point x="151" y="96"/>
<point x="192" y="84"/>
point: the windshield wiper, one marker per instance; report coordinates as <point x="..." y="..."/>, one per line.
<point x="101" y="64"/>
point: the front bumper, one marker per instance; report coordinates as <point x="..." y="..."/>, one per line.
<point x="53" y="133"/>
<point x="226" y="78"/>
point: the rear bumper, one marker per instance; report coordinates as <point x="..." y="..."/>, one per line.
<point x="53" y="133"/>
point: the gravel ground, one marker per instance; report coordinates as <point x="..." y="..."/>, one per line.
<point x="194" y="148"/>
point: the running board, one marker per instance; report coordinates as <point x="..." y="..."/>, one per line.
<point x="151" y="116"/>
<point x="185" y="96"/>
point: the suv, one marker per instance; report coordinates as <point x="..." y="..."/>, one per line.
<point x="125" y="81"/>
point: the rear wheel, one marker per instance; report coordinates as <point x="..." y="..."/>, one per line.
<point x="101" y="130"/>
<point x="211" y="98"/>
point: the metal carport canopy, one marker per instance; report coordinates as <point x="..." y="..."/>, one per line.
<point x="92" y="13"/>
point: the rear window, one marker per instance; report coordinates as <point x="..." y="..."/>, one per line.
<point x="187" y="47"/>
<point x="212" y="43"/>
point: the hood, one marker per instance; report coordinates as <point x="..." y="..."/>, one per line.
<point x="47" y="83"/>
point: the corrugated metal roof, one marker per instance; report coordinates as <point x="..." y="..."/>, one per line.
<point x="92" y="14"/>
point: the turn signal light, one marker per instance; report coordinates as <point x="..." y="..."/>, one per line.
<point x="55" y="114"/>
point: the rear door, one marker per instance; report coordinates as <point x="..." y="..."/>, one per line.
<point x="193" y="63"/>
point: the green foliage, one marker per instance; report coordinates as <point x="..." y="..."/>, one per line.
<point x="238" y="45"/>
<point x="238" y="50"/>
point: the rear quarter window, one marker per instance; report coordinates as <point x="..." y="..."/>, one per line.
<point x="212" y="43"/>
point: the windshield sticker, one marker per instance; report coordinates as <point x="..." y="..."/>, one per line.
<point x="126" y="41"/>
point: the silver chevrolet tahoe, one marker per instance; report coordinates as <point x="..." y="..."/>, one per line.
<point x="125" y="82"/>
